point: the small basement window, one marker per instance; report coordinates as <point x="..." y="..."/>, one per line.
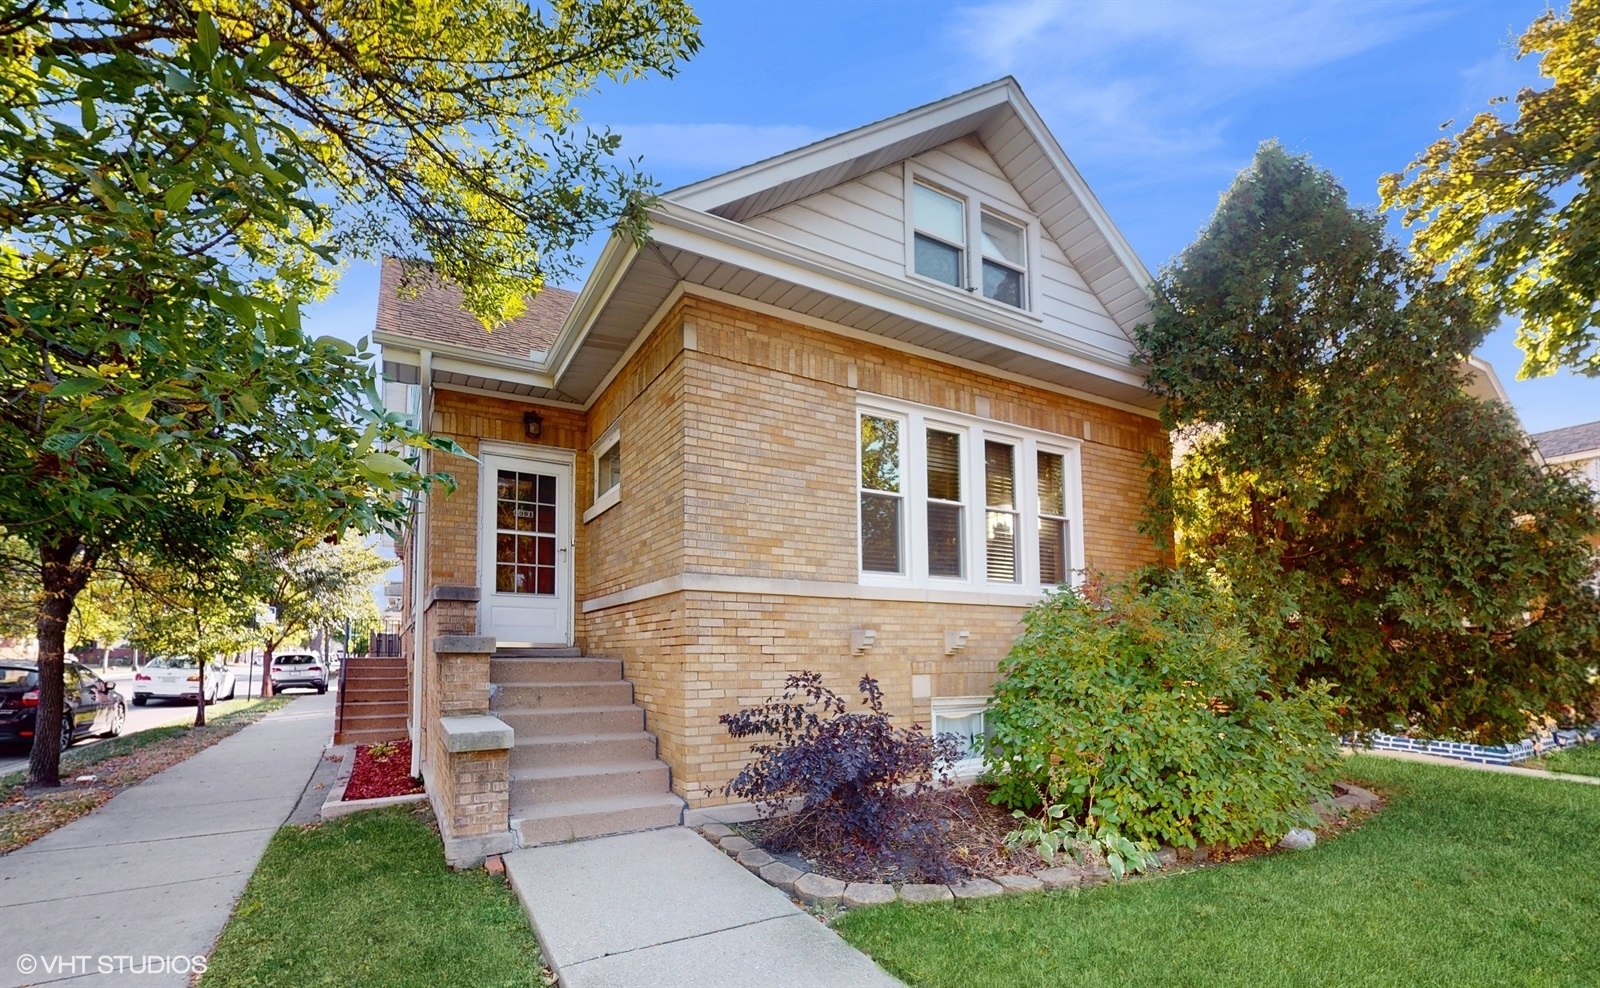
<point x="963" y="716"/>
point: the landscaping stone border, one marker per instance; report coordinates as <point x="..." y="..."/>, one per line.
<point x="823" y="892"/>
<point x="336" y="805"/>
<point x="1501" y="754"/>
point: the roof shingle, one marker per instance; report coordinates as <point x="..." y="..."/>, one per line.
<point x="436" y="315"/>
<point x="1572" y="439"/>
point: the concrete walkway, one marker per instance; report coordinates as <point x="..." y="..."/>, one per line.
<point x="154" y="873"/>
<point x="1529" y="773"/>
<point x="666" y="908"/>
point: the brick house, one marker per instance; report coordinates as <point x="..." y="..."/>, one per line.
<point x="852" y="409"/>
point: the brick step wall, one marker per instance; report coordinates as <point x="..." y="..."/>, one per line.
<point x="582" y="765"/>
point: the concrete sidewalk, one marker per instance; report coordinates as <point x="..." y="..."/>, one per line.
<point x="666" y="908"/>
<point x="153" y="875"/>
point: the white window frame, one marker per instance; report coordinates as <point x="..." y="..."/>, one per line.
<point x="915" y="420"/>
<point x="976" y="204"/>
<point x="607" y="499"/>
<point x="960" y="706"/>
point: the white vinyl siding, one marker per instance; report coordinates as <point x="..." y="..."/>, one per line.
<point x="863" y="223"/>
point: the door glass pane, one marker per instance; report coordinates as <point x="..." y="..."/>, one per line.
<point x="944" y="539"/>
<point x="880" y="533"/>
<point x="937" y="260"/>
<point x="1000" y="487"/>
<point x="939" y="214"/>
<point x="1004" y="241"/>
<point x="1002" y="284"/>
<point x="1052" y="485"/>
<point x="880" y="453"/>
<point x="525" y="543"/>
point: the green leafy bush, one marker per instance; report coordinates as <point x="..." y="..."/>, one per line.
<point x="1147" y="709"/>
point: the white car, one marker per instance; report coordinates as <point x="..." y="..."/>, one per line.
<point x="178" y="678"/>
<point x="297" y="667"/>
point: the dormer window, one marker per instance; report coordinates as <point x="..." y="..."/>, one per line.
<point x="941" y="235"/>
<point x="963" y="240"/>
<point x="1005" y="260"/>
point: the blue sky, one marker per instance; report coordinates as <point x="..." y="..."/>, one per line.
<point x="1158" y="103"/>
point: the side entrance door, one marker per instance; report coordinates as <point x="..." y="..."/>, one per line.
<point x="525" y="549"/>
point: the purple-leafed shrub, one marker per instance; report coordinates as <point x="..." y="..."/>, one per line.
<point x="859" y="780"/>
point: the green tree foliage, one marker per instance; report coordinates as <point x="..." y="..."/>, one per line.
<point x="1148" y="712"/>
<point x="316" y="586"/>
<point x="177" y="179"/>
<point x="1385" y="530"/>
<point x="1512" y="208"/>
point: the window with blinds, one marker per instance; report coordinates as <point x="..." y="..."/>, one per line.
<point x="945" y="515"/>
<point x="1000" y="511"/>
<point x="1054" y="528"/>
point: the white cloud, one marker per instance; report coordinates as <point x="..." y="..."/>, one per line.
<point x="1150" y="81"/>
<point x="712" y="146"/>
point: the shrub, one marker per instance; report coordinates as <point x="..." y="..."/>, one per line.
<point x="859" y="779"/>
<point x="1148" y="710"/>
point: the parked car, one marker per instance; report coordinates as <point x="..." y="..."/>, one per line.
<point x="178" y="678"/>
<point x="93" y="706"/>
<point x="299" y="668"/>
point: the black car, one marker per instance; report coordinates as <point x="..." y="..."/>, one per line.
<point x="93" y="705"/>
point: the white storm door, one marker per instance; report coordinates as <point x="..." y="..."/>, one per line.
<point x="525" y="550"/>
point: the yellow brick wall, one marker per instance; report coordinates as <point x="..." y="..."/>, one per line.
<point x="739" y="460"/>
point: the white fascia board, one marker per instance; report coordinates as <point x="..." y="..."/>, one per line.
<point x="1578" y="457"/>
<point x="1481" y="366"/>
<point x="466" y="360"/>
<point x="751" y="179"/>
<point x="1069" y="173"/>
<point x="712" y="236"/>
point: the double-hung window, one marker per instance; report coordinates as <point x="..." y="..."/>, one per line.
<point x="964" y="242"/>
<point x="953" y="502"/>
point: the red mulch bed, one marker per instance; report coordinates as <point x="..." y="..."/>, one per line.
<point x="388" y="773"/>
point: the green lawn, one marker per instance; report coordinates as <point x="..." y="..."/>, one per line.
<point x="1582" y="760"/>
<point x="1467" y="878"/>
<point x="367" y="900"/>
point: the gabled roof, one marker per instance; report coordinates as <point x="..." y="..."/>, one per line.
<point x="436" y="314"/>
<point x="1569" y="442"/>
<point x="1002" y="118"/>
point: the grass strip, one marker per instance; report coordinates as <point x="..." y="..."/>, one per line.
<point x="1466" y="878"/>
<point x="367" y="899"/>
<point x="116" y="764"/>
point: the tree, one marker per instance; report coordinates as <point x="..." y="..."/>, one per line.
<point x="1512" y="209"/>
<point x="312" y="587"/>
<point x="1381" y="528"/>
<point x="177" y="179"/>
<point x="101" y="615"/>
<point x="202" y="618"/>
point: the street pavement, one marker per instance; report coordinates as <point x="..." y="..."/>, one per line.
<point x="136" y="893"/>
<point x="157" y="713"/>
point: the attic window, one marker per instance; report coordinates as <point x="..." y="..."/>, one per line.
<point x="1005" y="260"/>
<point x="941" y="235"/>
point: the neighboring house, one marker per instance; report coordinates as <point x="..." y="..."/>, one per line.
<point x="853" y="409"/>
<point x="1575" y="449"/>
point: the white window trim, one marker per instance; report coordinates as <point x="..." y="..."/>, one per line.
<point x="915" y="421"/>
<point x="603" y="500"/>
<point x="959" y="706"/>
<point x="976" y="204"/>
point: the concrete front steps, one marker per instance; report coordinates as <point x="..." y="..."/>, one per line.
<point x="373" y="701"/>
<point x="583" y="764"/>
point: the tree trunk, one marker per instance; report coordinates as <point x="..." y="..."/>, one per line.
<point x="62" y="577"/>
<point x="266" y="670"/>
<point x="200" y="695"/>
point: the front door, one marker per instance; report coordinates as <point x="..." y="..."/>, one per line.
<point x="525" y="550"/>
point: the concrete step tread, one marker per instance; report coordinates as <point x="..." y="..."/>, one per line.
<point x="577" y="807"/>
<point x="555" y="739"/>
<point x="549" y="772"/>
<point x="608" y="708"/>
<point x="563" y="682"/>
